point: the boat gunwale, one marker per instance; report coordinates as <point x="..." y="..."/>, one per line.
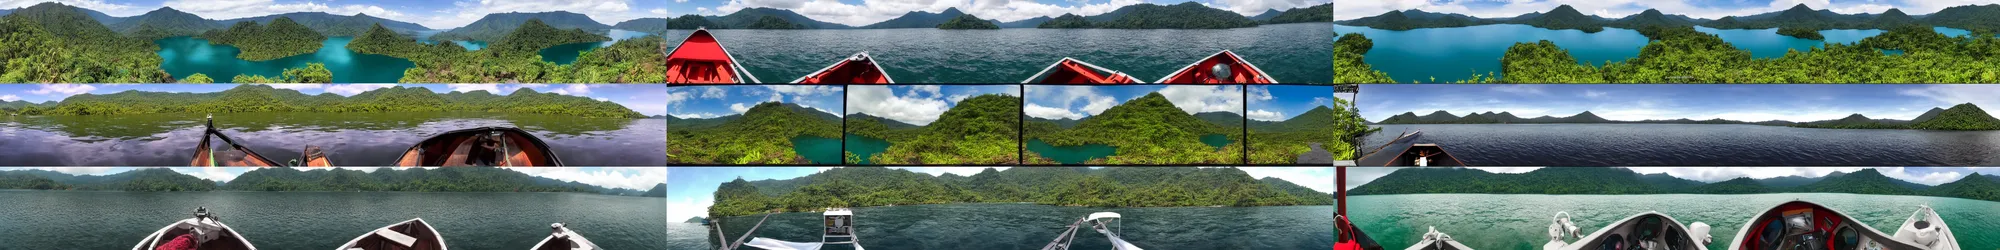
<point x="1052" y="66"/>
<point x="1232" y="55"/>
<point x="862" y="54"/>
<point x="154" y="238"/>
<point x="733" y="65"/>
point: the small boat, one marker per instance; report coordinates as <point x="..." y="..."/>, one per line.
<point x="1806" y="225"/>
<point x="1352" y="238"/>
<point x="203" y="232"/>
<point x="1070" y="70"/>
<point x="1096" y="221"/>
<point x="1405" y="151"/>
<point x="564" y="239"/>
<point x="1648" y="230"/>
<point x="411" y="234"/>
<point x="485" y="146"/>
<point x="857" y="68"/>
<point x="839" y="229"/>
<point x="1435" y="240"/>
<point x="1223" y="67"/>
<point x="236" y="155"/>
<point x="700" y="59"/>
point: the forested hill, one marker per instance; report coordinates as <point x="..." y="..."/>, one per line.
<point x="761" y="135"/>
<point x="917" y="19"/>
<point x="71" y="46"/>
<point x="1968" y="17"/>
<point x="983" y="129"/>
<point x="1062" y="186"/>
<point x="468" y="179"/>
<point x="1146" y="130"/>
<point x="744" y="18"/>
<point x="1965" y="116"/>
<point x="533" y="36"/>
<point x="280" y="38"/>
<point x="264" y="98"/>
<point x="1598" y="180"/>
<point x="1316" y="13"/>
<point x="497" y="26"/>
<point x="165" y="22"/>
<point x="336" y="25"/>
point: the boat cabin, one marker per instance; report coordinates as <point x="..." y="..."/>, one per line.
<point x="839" y="222"/>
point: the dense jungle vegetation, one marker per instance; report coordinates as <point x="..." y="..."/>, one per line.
<point x="1059" y="186"/>
<point x="1146" y="130"/>
<point x="264" y="98"/>
<point x="1316" y="13"/>
<point x="51" y="42"/>
<point x="1066" y="21"/>
<point x="761" y="135"/>
<point x="480" y="179"/>
<point x="968" y="22"/>
<point x="978" y="130"/>
<point x="1964" y="116"/>
<point x="516" y="58"/>
<point x="1333" y="128"/>
<point x="1625" y="181"/>
<point x="1348" y="66"/>
<point x="281" y="38"/>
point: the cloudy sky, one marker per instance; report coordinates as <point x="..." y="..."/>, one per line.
<point x="1799" y="102"/>
<point x="690" y="190"/>
<point x="1077" y="102"/>
<point x="636" y="178"/>
<point x="723" y="100"/>
<point x="1281" y="102"/>
<point x="446" y="14"/>
<point x="916" y="104"/>
<point x="1920" y="175"/>
<point x="638" y="97"/>
<point x="1711" y="9"/>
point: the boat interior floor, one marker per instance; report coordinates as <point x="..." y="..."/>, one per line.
<point x="1647" y="232"/>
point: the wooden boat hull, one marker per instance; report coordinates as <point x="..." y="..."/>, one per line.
<point x="476" y="147"/>
<point x="859" y="68"/>
<point x="413" y="234"/>
<point x="236" y="155"/>
<point x="228" y="238"/>
<point x="700" y="59"/>
<point x="1406" y="151"/>
<point x="1073" y="71"/>
<point x="1238" y="71"/>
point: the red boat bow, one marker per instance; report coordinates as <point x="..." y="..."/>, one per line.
<point x="857" y="68"/>
<point x="1232" y="69"/>
<point x="700" y="59"/>
<point x="1070" y="70"/>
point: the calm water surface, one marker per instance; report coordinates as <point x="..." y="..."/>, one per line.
<point x="1071" y="154"/>
<point x="1216" y="140"/>
<point x="864" y="146"/>
<point x="1699" y="145"/>
<point x="323" y="220"/>
<point x="819" y="150"/>
<point x="349" y="139"/>
<point x="568" y="53"/>
<point x="1025" y="226"/>
<point x="1486" y="221"/>
<point x="184" y="56"/>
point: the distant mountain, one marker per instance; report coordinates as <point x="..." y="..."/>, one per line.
<point x="696" y="219"/>
<point x="1792" y="181"/>
<point x="890" y="123"/>
<point x="164" y="22"/>
<point x="1062" y="123"/>
<point x="1928" y="115"/>
<point x="149" y="179"/>
<point x="699" y="123"/>
<point x="1442" y="117"/>
<point x="1316" y="118"/>
<point x="1892" y="18"/>
<point x="1316" y="13"/>
<point x="1597" y="180"/>
<point x="1973" y="186"/>
<point x="1740" y="185"/>
<point x="744" y="18"/>
<point x="917" y="19"/>
<point x="1025" y="23"/>
<point x="1066" y="21"/>
<point x="1650" y="17"/>
<point x="1960" y="117"/>
<point x="1967" y="17"/>
<point x="1414" y="19"/>
<point x="336" y="25"/>
<point x="1963" y="116"/>
<point x="1187" y="15"/>
<point x="650" y="25"/>
<point x="968" y="22"/>
<point x="1267" y="15"/>
<point x="659" y="190"/>
<point x="1866" y="181"/>
<point x="1565" y="17"/>
<point x="812" y="112"/>
<point x="496" y="26"/>
<point x="1221" y="118"/>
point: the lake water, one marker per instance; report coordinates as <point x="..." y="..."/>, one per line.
<point x="322" y="220"/>
<point x="349" y="139"/>
<point x="184" y="56"/>
<point x="1293" y="53"/>
<point x="1484" y="221"/>
<point x="1447" y="54"/>
<point x="1216" y="140"/>
<point x="864" y="146"/>
<point x="1071" y="154"/>
<point x="1699" y="145"/>
<point x="1026" y="226"/>
<point x="568" y="53"/>
<point x="819" y="150"/>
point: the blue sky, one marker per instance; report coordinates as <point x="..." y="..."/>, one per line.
<point x="916" y="104"/>
<point x="1920" y="175"/>
<point x="1351" y="9"/>
<point x="636" y="178"/>
<point x="723" y="100"/>
<point x="690" y="190"/>
<point x="1798" y="102"/>
<point x="1281" y="102"/>
<point x="638" y="97"/>
<point x="1078" y="101"/>
<point x="446" y="14"/>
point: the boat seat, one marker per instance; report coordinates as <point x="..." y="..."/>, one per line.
<point x="397" y="237"/>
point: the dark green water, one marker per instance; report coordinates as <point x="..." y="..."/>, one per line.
<point x="349" y="139"/>
<point x="1071" y="154"/>
<point x="184" y="56"/>
<point x="1216" y="140"/>
<point x="1292" y="53"/>
<point x="819" y="150"/>
<point x="1483" y="221"/>
<point x="1025" y="226"/>
<point x="323" y="220"/>
<point x="865" y="147"/>
<point x="568" y="53"/>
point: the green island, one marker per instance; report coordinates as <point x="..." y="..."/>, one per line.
<point x="1592" y="180"/>
<point x="281" y="38"/>
<point x="264" y="98"/>
<point x="1801" y="33"/>
<point x="1058" y="186"/>
<point x="467" y="179"/>
<point x="1066" y="21"/>
<point x="978" y="130"/>
<point x="1959" y="117"/>
<point x="968" y="22"/>
<point x="1333" y="129"/>
<point x="1144" y="130"/>
<point x="761" y="135"/>
<point x="515" y="58"/>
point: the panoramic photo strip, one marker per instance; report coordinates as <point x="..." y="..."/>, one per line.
<point x="682" y="41"/>
<point x="1669" y="41"/>
<point x="980" y="208"/>
<point x="335" y="208"/>
<point x="1680" y="125"/>
<point x="319" y="125"/>
<point x="755" y="125"/>
<point x="1570" y="208"/>
<point x="1302" y="125"/>
<point x="1133" y="124"/>
<point x="933" y="125"/>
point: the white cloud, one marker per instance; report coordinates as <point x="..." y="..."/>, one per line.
<point x="573" y="89"/>
<point x="1265" y="115"/>
<point x="804" y="90"/>
<point x="81" y="170"/>
<point x="664" y="11"/>
<point x="351" y="89"/>
<point x="1946" y="95"/>
<point x="1525" y="89"/>
<point x="674" y="97"/>
<point x="957" y="98"/>
<point x="688" y="207"/>
<point x="940" y="171"/>
<point x="1317" y="178"/>
<point x="714" y="92"/>
<point x="1039" y="111"/>
<point x="697" y="115"/>
<point x="1260" y="93"/>
<point x="910" y="108"/>
<point x="114" y="9"/>
<point x="232" y="9"/>
<point x="209" y="173"/>
<point x="465" y="12"/>
<point x="490" y="88"/>
<point x="1198" y="99"/>
<point x="1098" y="104"/>
<point x="636" y="178"/>
<point x="63" y="89"/>
<point x="9" y="98"/>
<point x="1594" y="94"/>
<point x="601" y="99"/>
<point x="739" y="108"/>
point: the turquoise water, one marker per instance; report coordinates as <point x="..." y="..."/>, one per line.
<point x="865" y="147"/>
<point x="567" y="53"/>
<point x="471" y="45"/>
<point x="1483" y="221"/>
<point x="1216" y="140"/>
<point x="1008" y="226"/>
<point x="1071" y="154"/>
<point x="184" y="56"/>
<point x="819" y="150"/>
